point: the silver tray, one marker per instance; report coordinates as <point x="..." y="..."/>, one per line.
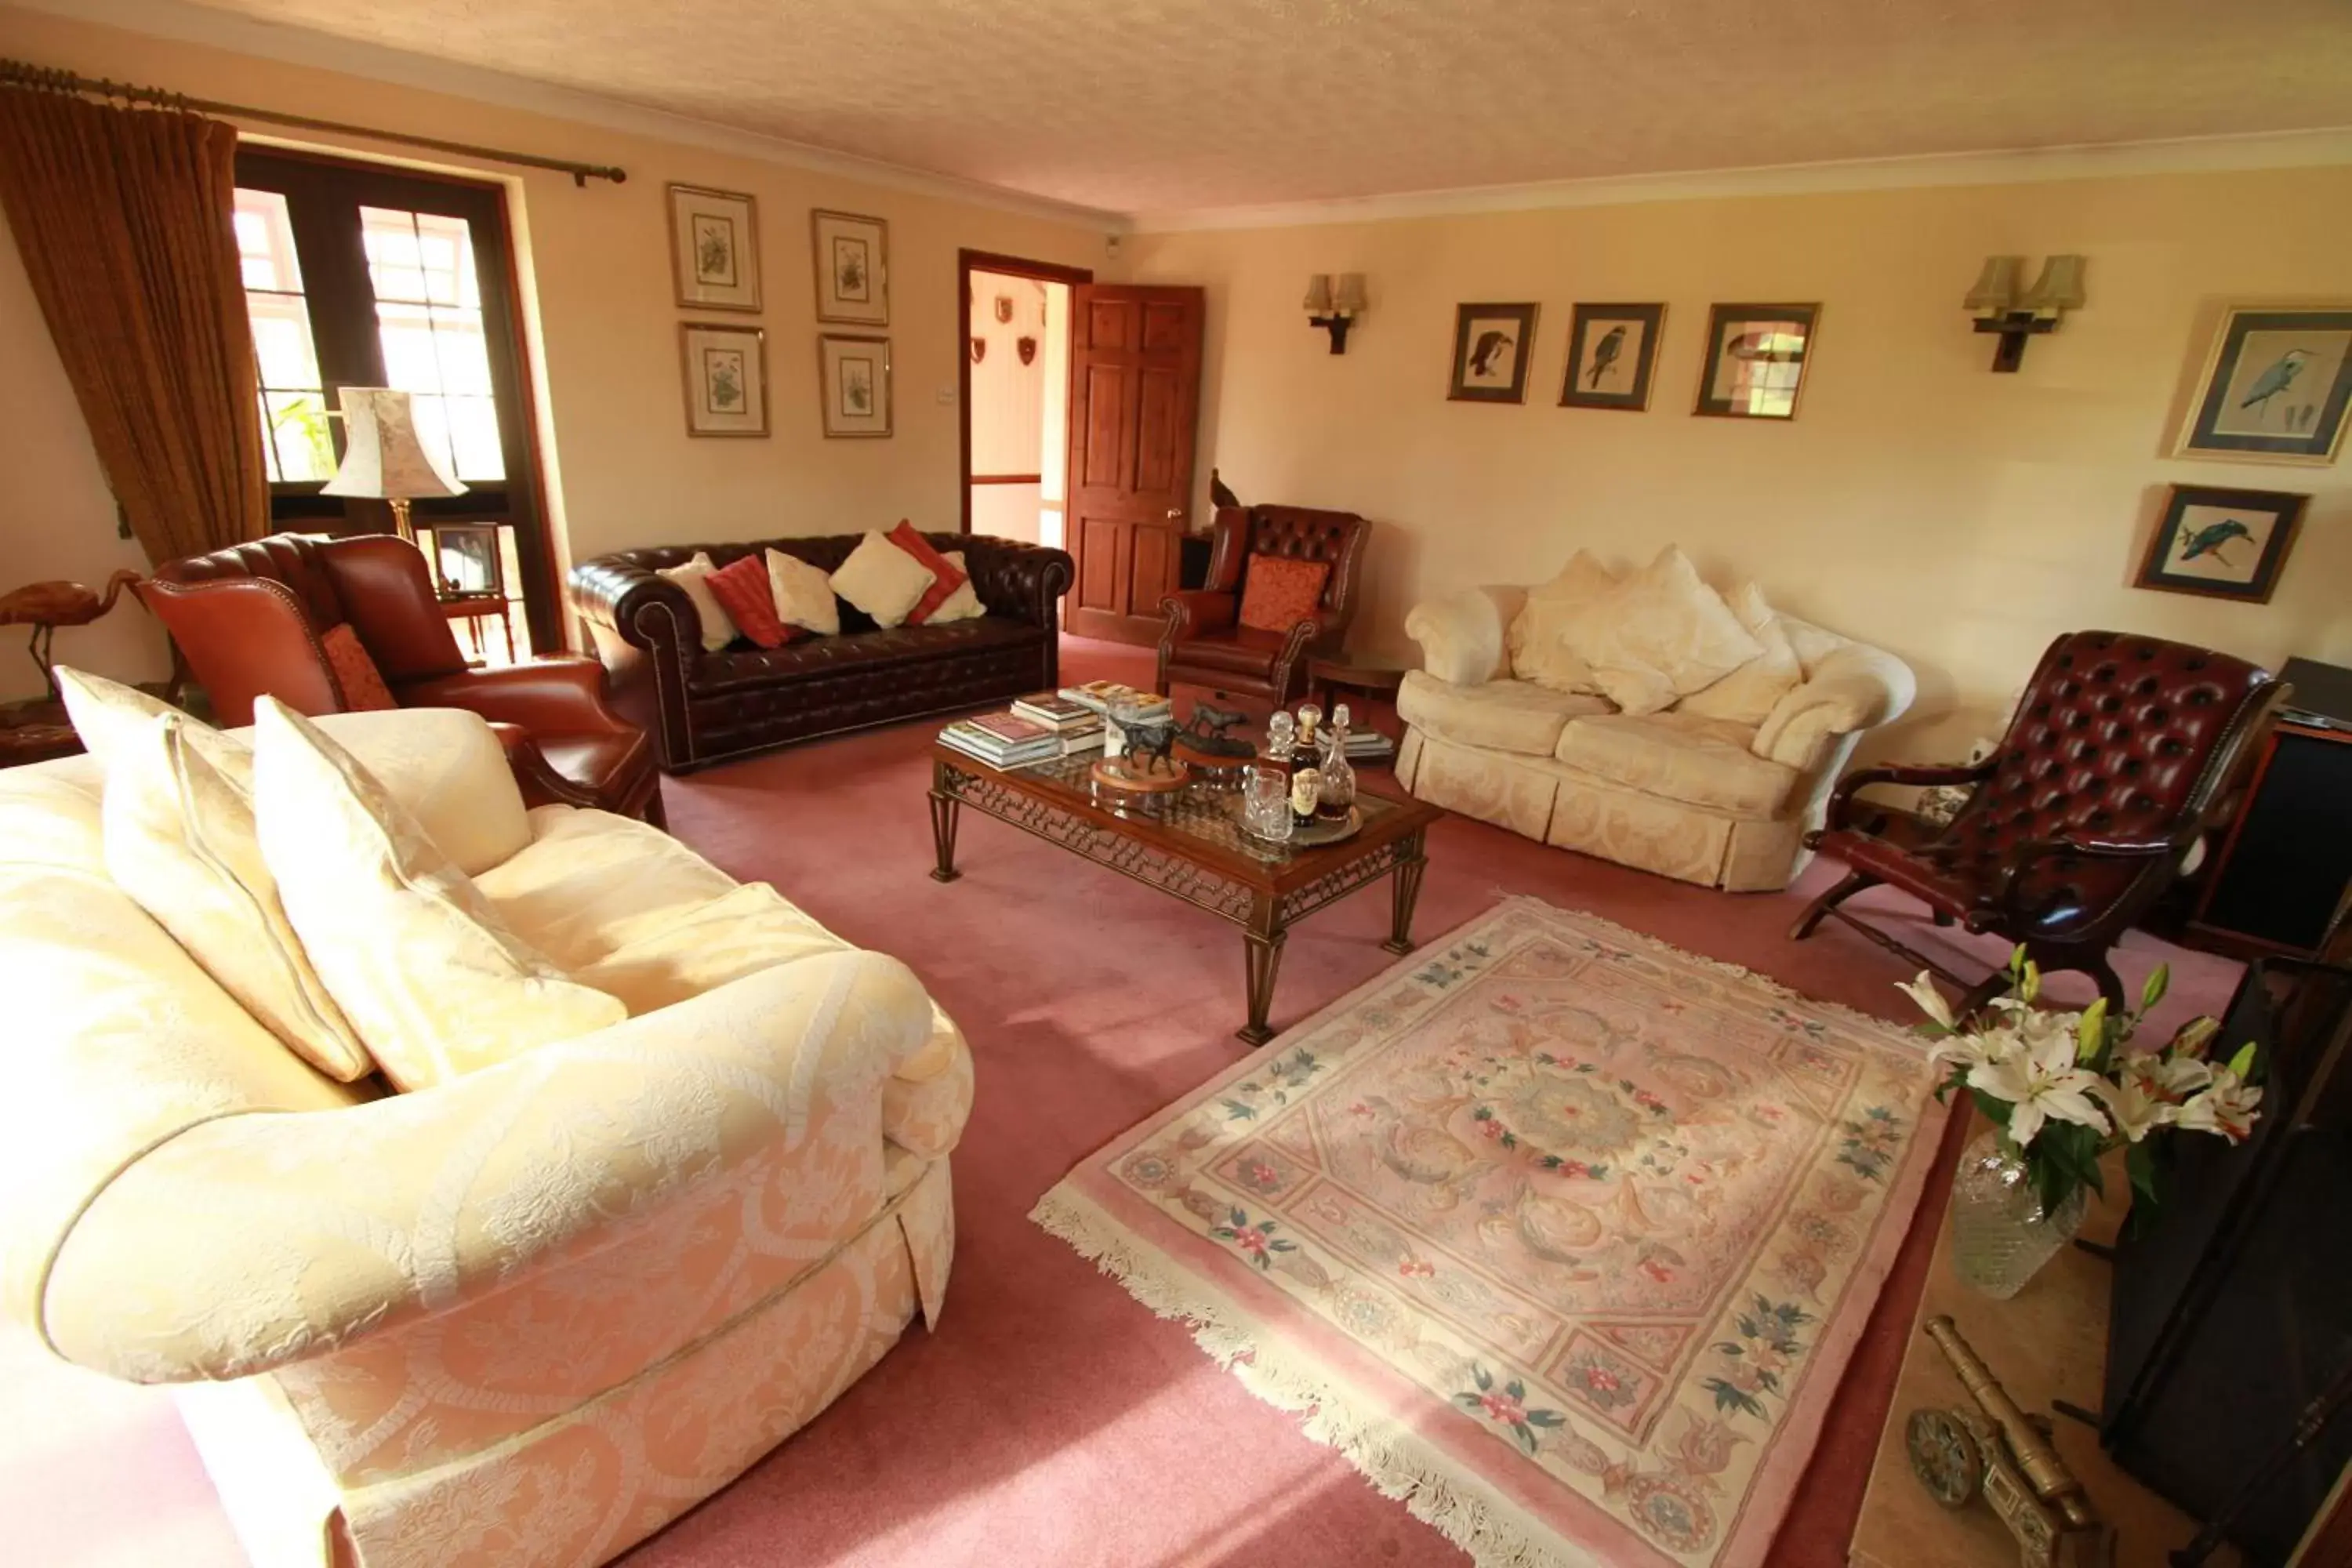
<point x="1317" y="835"/>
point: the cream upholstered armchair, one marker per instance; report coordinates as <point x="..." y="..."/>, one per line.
<point x="1718" y="791"/>
<point x="526" y="1316"/>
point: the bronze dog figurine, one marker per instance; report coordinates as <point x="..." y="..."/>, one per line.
<point x="1150" y="741"/>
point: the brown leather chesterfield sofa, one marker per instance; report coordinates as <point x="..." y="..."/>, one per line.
<point x="704" y="708"/>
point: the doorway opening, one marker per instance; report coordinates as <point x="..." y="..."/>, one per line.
<point x="1015" y="359"/>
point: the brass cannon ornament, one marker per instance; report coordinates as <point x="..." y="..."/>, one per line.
<point x="1998" y="1451"/>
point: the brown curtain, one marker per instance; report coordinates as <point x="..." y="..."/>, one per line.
<point x="126" y="221"/>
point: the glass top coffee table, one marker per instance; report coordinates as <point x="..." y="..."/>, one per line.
<point x="1191" y="845"/>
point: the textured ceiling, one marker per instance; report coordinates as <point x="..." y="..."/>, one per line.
<point x="1169" y="105"/>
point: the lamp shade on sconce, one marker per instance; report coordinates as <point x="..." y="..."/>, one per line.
<point x="1349" y="298"/>
<point x="1996" y="287"/>
<point x="2060" y="287"/>
<point x="1319" y="294"/>
<point x="383" y="458"/>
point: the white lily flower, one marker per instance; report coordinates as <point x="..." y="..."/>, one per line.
<point x="1930" y="1000"/>
<point x="2137" y="1110"/>
<point x="2226" y="1109"/>
<point x="1996" y="1045"/>
<point x="2173" y="1078"/>
<point x="2041" y="1083"/>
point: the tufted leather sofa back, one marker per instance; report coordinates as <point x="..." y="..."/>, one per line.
<point x="287" y="558"/>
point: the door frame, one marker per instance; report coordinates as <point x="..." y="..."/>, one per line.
<point x="967" y="263"/>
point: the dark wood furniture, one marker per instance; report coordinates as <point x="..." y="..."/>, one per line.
<point x="35" y="731"/>
<point x="1194" y="849"/>
<point x="1201" y="639"/>
<point x="1135" y="394"/>
<point x="2108" y="777"/>
<point x="1375" y="679"/>
<point x="2281" y="880"/>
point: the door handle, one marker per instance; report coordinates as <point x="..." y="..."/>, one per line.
<point x="1175" y="514"/>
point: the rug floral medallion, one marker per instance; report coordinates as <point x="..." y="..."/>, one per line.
<point x="1562" y="1234"/>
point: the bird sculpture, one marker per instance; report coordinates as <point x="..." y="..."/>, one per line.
<point x="2275" y="380"/>
<point x="1487" y="351"/>
<point x="1221" y="494"/>
<point x="2208" y="540"/>
<point x="1604" y="354"/>
<point x="45" y="606"/>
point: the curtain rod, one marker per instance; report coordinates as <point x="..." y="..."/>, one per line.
<point x="43" y="78"/>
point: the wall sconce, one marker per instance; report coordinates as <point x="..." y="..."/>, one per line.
<point x="1332" y="309"/>
<point x="1999" y="307"/>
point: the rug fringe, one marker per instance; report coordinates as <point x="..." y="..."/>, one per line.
<point x="1398" y="1462"/>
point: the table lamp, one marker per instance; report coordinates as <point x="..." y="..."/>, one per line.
<point x="383" y="458"/>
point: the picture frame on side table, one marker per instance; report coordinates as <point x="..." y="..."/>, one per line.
<point x="1612" y="351"/>
<point x="726" y="371"/>
<point x="714" y="249"/>
<point x="853" y="384"/>
<point x="853" y="268"/>
<point x="1755" y="358"/>
<point x="2222" y="543"/>
<point x="2277" y="387"/>
<point x="1493" y="345"/>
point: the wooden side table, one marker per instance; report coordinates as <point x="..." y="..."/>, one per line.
<point x="35" y="731"/>
<point x="1376" y="679"/>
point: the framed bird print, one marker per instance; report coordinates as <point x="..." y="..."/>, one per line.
<point x="1492" y="346"/>
<point x="1612" y="349"/>
<point x="714" y="249"/>
<point x="2227" y="544"/>
<point x="853" y="268"/>
<point x="1756" y="359"/>
<point x="2276" y="387"/>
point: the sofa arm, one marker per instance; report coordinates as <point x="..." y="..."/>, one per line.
<point x="626" y="596"/>
<point x="562" y="696"/>
<point x="1463" y="635"/>
<point x="1191" y="612"/>
<point x="1856" y="687"/>
<point x="1020" y="582"/>
<point x="256" y="1240"/>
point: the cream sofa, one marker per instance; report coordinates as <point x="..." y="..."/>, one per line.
<point x="527" y="1316"/>
<point x="1710" y="801"/>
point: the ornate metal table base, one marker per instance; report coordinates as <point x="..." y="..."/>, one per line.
<point x="1265" y="915"/>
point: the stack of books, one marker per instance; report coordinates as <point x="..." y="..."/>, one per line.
<point x="1100" y="696"/>
<point x="1369" y="745"/>
<point x="1079" y="727"/>
<point x="1002" y="740"/>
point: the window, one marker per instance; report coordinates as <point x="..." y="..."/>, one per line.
<point x="293" y="399"/>
<point x="428" y="311"/>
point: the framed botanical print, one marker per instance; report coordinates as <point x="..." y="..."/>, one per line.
<point x="853" y="384"/>
<point x="726" y="379"/>
<point x="1612" y="349"/>
<point x="2224" y="543"/>
<point x="853" y="268"/>
<point x="2276" y="388"/>
<point x="1756" y="357"/>
<point x="714" y="249"/>
<point x="1492" y="346"/>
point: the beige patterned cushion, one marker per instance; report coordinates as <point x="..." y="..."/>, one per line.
<point x="882" y="580"/>
<point x="429" y="977"/>
<point x="1747" y="696"/>
<point x="717" y="625"/>
<point x="1504" y="715"/>
<point x="1678" y="756"/>
<point x="963" y="605"/>
<point x="804" y="594"/>
<point x="1539" y="635"/>
<point x="1659" y="635"/>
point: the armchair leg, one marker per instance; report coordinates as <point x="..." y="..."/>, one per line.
<point x="1855" y="882"/>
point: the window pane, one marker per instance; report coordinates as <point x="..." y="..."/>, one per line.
<point x="295" y="425"/>
<point x="410" y="362"/>
<point x="265" y="242"/>
<point x="429" y="320"/>
<point x="474" y="428"/>
<point x="281" y="339"/>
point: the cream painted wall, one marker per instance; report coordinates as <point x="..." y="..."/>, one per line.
<point x="605" y="344"/>
<point x="1919" y="501"/>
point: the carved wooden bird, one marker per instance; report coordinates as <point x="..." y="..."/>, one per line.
<point x="45" y="606"/>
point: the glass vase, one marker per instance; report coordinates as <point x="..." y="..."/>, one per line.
<point x="2001" y="1237"/>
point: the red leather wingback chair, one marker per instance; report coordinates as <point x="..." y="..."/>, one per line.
<point x="2107" y="778"/>
<point x="249" y="619"/>
<point x="1203" y="642"/>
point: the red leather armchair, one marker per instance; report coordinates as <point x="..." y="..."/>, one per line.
<point x="2107" y="776"/>
<point x="248" y="620"/>
<point x="1203" y="643"/>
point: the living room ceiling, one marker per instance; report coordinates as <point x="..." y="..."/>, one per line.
<point x="1160" y="107"/>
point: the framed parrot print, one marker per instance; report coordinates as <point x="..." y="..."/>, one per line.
<point x="2226" y="544"/>
<point x="1612" y="349"/>
<point x="1492" y="347"/>
<point x="2276" y="387"/>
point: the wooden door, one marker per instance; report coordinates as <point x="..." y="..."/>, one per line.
<point x="1134" y="403"/>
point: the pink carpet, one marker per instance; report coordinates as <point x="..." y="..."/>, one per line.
<point x="1051" y="1419"/>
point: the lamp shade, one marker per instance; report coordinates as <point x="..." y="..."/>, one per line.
<point x="1349" y="300"/>
<point x="1996" y="287"/>
<point x="1319" y="294"/>
<point x="2060" y="287"/>
<point x="383" y="458"/>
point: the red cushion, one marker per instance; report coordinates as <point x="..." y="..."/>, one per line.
<point x="1277" y="593"/>
<point x="945" y="578"/>
<point x="742" y="589"/>
<point x="363" y="684"/>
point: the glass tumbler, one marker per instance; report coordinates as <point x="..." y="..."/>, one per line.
<point x="1265" y="803"/>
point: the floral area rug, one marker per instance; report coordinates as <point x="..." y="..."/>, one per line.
<point x="1560" y="1234"/>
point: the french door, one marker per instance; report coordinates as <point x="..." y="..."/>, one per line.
<point x="358" y="275"/>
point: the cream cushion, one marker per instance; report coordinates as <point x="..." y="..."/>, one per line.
<point x="1504" y="715"/>
<point x="717" y="625"/>
<point x="963" y="605"/>
<point x="1679" y="756"/>
<point x="1539" y="637"/>
<point x="179" y="837"/>
<point x="882" y="580"/>
<point x="804" y="594"/>
<point x="1748" y="694"/>
<point x="1659" y="635"/>
<point x="427" y="974"/>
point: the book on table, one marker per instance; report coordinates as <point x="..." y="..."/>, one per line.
<point x="1102" y="696"/>
<point x="1055" y="711"/>
<point x="1002" y="741"/>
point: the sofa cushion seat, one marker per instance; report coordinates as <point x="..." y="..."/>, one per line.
<point x="591" y="882"/>
<point x="1515" y="716"/>
<point x="1681" y="756"/>
<point x="736" y="668"/>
